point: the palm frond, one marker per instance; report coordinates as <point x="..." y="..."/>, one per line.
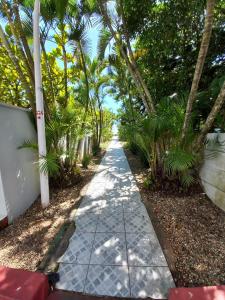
<point x="187" y="179"/>
<point x="178" y="160"/>
<point x="104" y="40"/>
<point x="27" y="144"/>
<point x="49" y="164"/>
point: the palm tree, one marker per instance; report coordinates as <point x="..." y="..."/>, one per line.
<point x="199" y="65"/>
<point x="211" y="118"/>
<point x="98" y="81"/>
<point x="123" y="43"/>
<point x="11" y="50"/>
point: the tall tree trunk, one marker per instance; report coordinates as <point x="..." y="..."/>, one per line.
<point x="85" y="75"/>
<point x="87" y="95"/>
<point x="22" y="36"/>
<point x="67" y="161"/>
<point x="199" y="65"/>
<point x="50" y="79"/>
<point x="100" y="120"/>
<point x="133" y="69"/>
<point x="100" y="126"/>
<point x="15" y="31"/>
<point x="148" y="96"/>
<point x="16" y="64"/>
<point x="65" y="75"/>
<point x="133" y="61"/>
<point x="211" y="117"/>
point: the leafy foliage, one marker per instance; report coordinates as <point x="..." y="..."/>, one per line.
<point x="73" y="84"/>
<point x="86" y="161"/>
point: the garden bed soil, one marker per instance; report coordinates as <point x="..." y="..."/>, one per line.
<point x="25" y="243"/>
<point x="191" y="230"/>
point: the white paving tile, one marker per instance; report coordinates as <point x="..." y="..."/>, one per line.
<point x="109" y="249"/>
<point x="111" y="209"/>
<point x="79" y="250"/>
<point x="72" y="277"/>
<point x="137" y="223"/>
<point x="144" y="250"/>
<point x="151" y="282"/>
<point x="114" y="250"/>
<point x="108" y="281"/>
<point x="87" y="222"/>
<point x="110" y="223"/>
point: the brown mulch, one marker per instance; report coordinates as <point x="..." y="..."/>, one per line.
<point x="191" y="229"/>
<point x="25" y="243"/>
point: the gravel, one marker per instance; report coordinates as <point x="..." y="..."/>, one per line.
<point x="191" y="227"/>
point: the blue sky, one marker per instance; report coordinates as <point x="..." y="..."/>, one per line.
<point x="108" y="100"/>
<point x="93" y="35"/>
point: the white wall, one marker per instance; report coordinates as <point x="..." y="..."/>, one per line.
<point x="212" y="173"/>
<point x="85" y="146"/>
<point x="20" y="178"/>
<point x="3" y="210"/>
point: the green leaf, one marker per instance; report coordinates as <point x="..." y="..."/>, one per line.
<point x="49" y="164"/>
<point x="27" y="144"/>
<point x="178" y="160"/>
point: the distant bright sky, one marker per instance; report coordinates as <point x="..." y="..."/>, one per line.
<point x="108" y="100"/>
<point x="93" y="35"/>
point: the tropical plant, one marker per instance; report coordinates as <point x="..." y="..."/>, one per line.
<point x="86" y="161"/>
<point x="163" y="130"/>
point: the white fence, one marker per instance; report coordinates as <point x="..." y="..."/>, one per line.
<point x="19" y="178"/>
<point x="212" y="173"/>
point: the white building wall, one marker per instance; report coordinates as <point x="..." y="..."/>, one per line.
<point x="212" y="173"/>
<point x="19" y="173"/>
<point x="3" y="210"/>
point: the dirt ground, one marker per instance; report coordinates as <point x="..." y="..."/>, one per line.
<point x="191" y="229"/>
<point x="25" y="243"/>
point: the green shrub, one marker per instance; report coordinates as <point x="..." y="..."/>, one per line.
<point x="148" y="182"/>
<point x="77" y="171"/>
<point x="86" y="161"/>
<point x="95" y="150"/>
<point x="132" y="147"/>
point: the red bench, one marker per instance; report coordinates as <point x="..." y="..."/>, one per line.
<point x="198" y="293"/>
<point x="22" y="285"/>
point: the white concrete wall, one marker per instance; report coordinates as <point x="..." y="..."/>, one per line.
<point x="85" y="147"/>
<point x="3" y="210"/>
<point x="212" y="173"/>
<point x="19" y="173"/>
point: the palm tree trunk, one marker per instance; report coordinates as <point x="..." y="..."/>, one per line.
<point x="148" y="96"/>
<point x="23" y="37"/>
<point x="88" y="97"/>
<point x="65" y="75"/>
<point x="133" y="69"/>
<point x="211" y="117"/>
<point x="133" y="61"/>
<point x="16" y="64"/>
<point x="14" y="28"/>
<point x="100" y="126"/>
<point x="100" y="120"/>
<point x="85" y="74"/>
<point x="50" y="79"/>
<point x="66" y="102"/>
<point x="199" y="65"/>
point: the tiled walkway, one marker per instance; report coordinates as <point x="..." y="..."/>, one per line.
<point x="114" y="250"/>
